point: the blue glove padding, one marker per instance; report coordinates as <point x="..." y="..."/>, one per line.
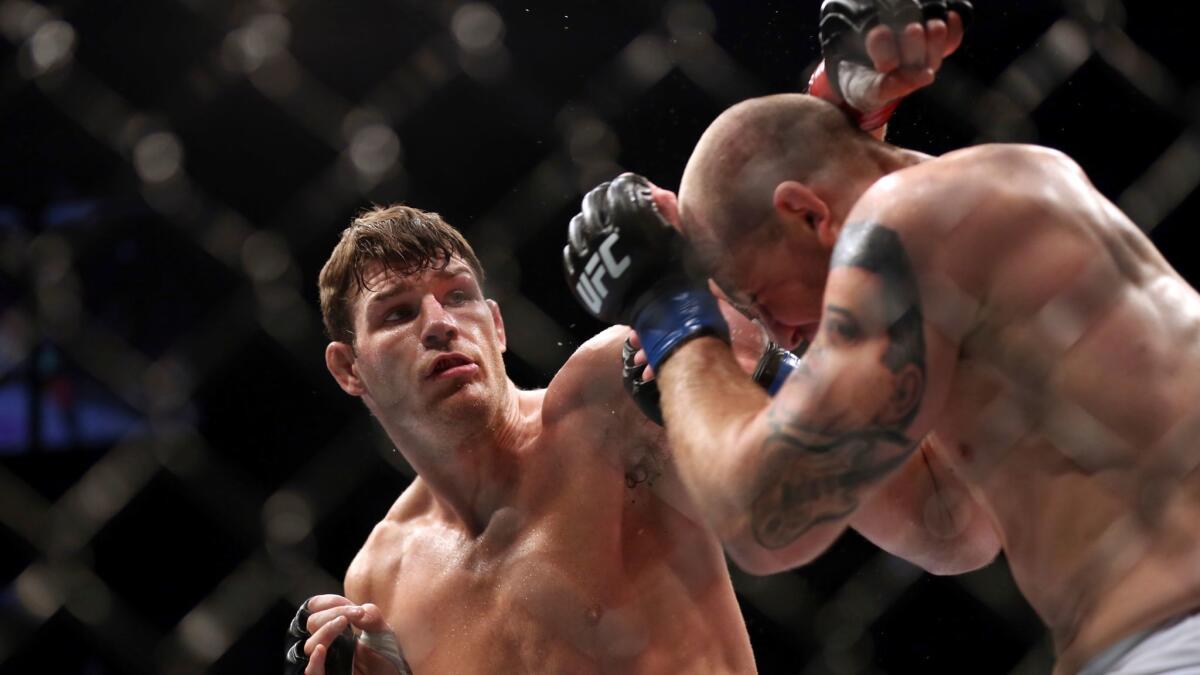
<point x="672" y="316"/>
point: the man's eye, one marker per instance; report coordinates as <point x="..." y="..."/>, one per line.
<point x="402" y="313"/>
<point x="845" y="330"/>
<point x="457" y="297"/>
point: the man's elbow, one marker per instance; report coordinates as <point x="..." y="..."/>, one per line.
<point x="973" y="549"/>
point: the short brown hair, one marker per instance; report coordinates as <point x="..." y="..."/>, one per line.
<point x="402" y="239"/>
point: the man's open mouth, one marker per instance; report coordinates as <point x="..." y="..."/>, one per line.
<point x="448" y="362"/>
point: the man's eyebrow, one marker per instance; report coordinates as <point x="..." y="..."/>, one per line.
<point x="454" y="271"/>
<point x="390" y="292"/>
<point x="399" y="287"/>
<point x="837" y="309"/>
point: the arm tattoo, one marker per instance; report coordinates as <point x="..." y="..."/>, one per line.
<point x="816" y="461"/>
<point x="812" y="484"/>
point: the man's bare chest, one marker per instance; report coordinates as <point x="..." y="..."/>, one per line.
<point x="534" y="600"/>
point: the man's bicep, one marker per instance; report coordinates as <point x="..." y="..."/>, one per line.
<point x="885" y="362"/>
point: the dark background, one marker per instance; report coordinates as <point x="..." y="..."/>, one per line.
<point x="177" y="469"/>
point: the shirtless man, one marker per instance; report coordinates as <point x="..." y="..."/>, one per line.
<point x="546" y="532"/>
<point x="990" y="300"/>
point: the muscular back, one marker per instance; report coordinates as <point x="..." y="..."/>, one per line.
<point x="1072" y="410"/>
<point x="593" y="567"/>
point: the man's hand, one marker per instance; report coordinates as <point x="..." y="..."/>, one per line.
<point x="879" y="51"/>
<point x="625" y="264"/>
<point x="329" y="617"/>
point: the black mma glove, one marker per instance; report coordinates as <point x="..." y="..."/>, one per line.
<point x="625" y="264"/>
<point x="339" y="660"/>
<point x="845" y="23"/>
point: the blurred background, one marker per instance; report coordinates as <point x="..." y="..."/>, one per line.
<point x="177" y="469"/>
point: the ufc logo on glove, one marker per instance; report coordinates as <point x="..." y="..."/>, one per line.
<point x="590" y="287"/>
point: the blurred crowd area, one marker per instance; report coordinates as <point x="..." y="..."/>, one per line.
<point x="177" y="469"/>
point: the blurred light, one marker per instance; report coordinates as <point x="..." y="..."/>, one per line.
<point x="358" y="118"/>
<point x="277" y="78"/>
<point x="431" y="66"/>
<point x="489" y="67"/>
<point x="477" y="27"/>
<point x="260" y="39"/>
<point x="589" y="139"/>
<point x="287" y="517"/>
<point x="56" y="287"/>
<point x="91" y="602"/>
<point x="20" y="19"/>
<point x="283" y="313"/>
<point x="1069" y="45"/>
<point x="688" y="20"/>
<point x="182" y="454"/>
<point x="51" y="256"/>
<point x="102" y="493"/>
<point x="647" y="58"/>
<point x="265" y="256"/>
<point x="1169" y="181"/>
<point x="16" y="339"/>
<point x="37" y="593"/>
<point x="374" y="149"/>
<point x="203" y="634"/>
<point x="157" y="157"/>
<point x="1106" y="11"/>
<point x="226" y="237"/>
<point x="51" y="46"/>
<point x="168" y="384"/>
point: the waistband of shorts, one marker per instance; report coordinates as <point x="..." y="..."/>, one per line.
<point x="1102" y="662"/>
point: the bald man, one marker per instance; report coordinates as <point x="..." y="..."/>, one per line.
<point x="989" y="301"/>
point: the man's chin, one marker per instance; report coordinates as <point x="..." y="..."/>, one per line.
<point x="459" y="396"/>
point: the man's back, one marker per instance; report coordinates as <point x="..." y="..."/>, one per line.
<point x="588" y="570"/>
<point x="1072" y="410"/>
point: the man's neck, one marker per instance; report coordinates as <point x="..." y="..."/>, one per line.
<point x="472" y="466"/>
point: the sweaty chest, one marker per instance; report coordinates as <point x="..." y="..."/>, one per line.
<point x="554" y="591"/>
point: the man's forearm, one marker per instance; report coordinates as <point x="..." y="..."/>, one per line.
<point x="715" y="423"/>
<point x="777" y="479"/>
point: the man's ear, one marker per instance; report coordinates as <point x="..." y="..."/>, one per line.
<point x="798" y="206"/>
<point x="340" y="360"/>
<point x="498" y="322"/>
<point x="908" y="385"/>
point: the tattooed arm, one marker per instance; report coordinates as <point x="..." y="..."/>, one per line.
<point x="779" y="480"/>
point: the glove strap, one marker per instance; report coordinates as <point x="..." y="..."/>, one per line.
<point x="774" y="366"/>
<point x="645" y="394"/>
<point x="384" y="644"/>
<point x="820" y="86"/>
<point x="675" y="316"/>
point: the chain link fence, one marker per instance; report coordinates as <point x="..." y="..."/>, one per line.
<point x="178" y="469"/>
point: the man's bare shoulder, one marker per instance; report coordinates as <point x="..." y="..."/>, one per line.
<point x="592" y="375"/>
<point x="972" y="184"/>
<point x="382" y="553"/>
<point x="961" y="212"/>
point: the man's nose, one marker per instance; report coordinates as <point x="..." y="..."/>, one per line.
<point x="439" y="328"/>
